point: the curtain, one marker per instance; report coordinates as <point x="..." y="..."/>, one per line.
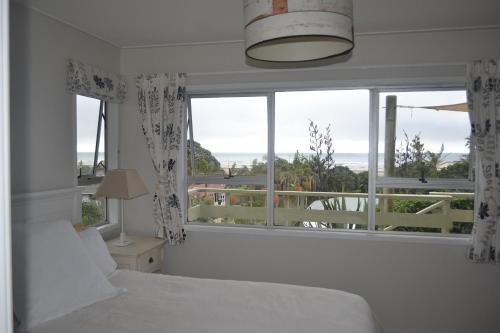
<point x="483" y="99"/>
<point x="162" y="104"/>
<point x="87" y="80"/>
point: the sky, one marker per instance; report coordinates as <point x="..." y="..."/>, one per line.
<point x="87" y="118"/>
<point x="239" y="125"/>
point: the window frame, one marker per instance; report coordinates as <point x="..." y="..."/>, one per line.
<point x="111" y="205"/>
<point x="413" y="183"/>
<point x="237" y="180"/>
<point x="375" y="182"/>
<point x="84" y="180"/>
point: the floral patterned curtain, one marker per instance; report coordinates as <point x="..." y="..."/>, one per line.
<point x="483" y="98"/>
<point x="87" y="80"/>
<point x="162" y="104"/>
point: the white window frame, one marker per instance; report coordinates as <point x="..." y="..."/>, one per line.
<point x="84" y="180"/>
<point x="374" y="181"/>
<point x="432" y="183"/>
<point x="6" y="311"/>
<point x="238" y="180"/>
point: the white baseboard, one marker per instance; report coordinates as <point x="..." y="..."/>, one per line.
<point x="47" y="205"/>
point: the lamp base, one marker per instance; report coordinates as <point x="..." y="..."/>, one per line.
<point x="123" y="241"/>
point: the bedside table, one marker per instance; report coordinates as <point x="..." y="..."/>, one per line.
<point x="145" y="255"/>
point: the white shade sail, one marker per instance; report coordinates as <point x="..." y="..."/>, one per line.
<point x="459" y="107"/>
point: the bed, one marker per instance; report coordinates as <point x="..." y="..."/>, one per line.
<point x="164" y="303"/>
<point x="66" y="281"/>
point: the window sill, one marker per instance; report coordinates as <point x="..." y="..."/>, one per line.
<point x="459" y="240"/>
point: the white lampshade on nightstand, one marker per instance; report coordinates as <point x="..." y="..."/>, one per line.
<point x="124" y="184"/>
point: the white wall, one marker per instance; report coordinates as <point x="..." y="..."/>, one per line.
<point x="42" y="116"/>
<point x="377" y="59"/>
<point x="5" y="223"/>
<point x="412" y="286"/>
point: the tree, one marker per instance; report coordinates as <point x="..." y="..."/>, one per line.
<point x="205" y="162"/>
<point x="363" y="181"/>
<point x="458" y="169"/>
<point x="84" y="169"/>
<point x="91" y="213"/>
<point x="321" y="163"/>
<point x="412" y="160"/>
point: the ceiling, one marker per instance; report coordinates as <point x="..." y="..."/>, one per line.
<point x="135" y="23"/>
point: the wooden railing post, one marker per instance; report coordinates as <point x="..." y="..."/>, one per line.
<point x="448" y="223"/>
<point x="390" y="147"/>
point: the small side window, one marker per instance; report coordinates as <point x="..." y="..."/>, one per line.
<point x="91" y="157"/>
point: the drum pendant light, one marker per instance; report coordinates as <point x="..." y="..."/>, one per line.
<point x="297" y="30"/>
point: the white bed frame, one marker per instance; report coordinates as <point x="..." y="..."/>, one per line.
<point x="47" y="205"/>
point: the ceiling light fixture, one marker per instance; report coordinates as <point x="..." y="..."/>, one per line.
<point x="298" y="30"/>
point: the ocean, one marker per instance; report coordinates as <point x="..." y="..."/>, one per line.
<point x="354" y="161"/>
<point x="88" y="157"/>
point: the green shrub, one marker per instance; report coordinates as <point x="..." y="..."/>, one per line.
<point x="92" y="213"/>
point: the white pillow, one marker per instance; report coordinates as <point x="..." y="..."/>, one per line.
<point x="98" y="251"/>
<point x="53" y="274"/>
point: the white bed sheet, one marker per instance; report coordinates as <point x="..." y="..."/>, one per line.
<point x="173" y="304"/>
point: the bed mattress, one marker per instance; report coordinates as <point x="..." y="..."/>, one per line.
<point x="165" y="303"/>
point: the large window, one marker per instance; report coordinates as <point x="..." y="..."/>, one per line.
<point x="91" y="157"/>
<point x="338" y="160"/>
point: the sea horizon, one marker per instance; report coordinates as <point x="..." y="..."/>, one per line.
<point x="354" y="161"/>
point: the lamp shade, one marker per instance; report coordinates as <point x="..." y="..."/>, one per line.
<point x="298" y="30"/>
<point x="121" y="184"/>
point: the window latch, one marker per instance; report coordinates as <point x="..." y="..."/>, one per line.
<point x="230" y="175"/>
<point x="422" y="177"/>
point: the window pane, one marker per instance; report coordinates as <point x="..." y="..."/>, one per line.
<point x="428" y="143"/>
<point x="230" y="134"/>
<point x="87" y="118"/>
<point x="87" y="112"/>
<point x="226" y="204"/>
<point x="427" y="211"/>
<point x="93" y="209"/>
<point x="230" y="142"/>
<point x="321" y="168"/>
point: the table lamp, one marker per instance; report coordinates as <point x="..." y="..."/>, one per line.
<point x="123" y="184"/>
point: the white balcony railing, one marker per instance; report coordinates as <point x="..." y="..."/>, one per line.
<point x="297" y="208"/>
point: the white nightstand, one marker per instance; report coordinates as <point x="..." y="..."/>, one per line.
<point x="145" y="255"/>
